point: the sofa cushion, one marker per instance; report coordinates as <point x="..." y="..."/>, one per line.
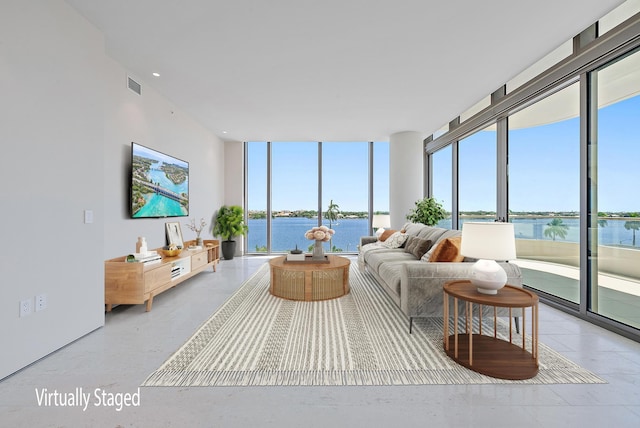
<point x="365" y="250"/>
<point x="376" y="258"/>
<point x="448" y="250"/>
<point x="372" y="246"/>
<point x="433" y="234"/>
<point x="396" y="240"/>
<point x="413" y="228"/>
<point x="417" y="246"/>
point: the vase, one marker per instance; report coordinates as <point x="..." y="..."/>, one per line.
<point x="199" y="241"/>
<point x="318" y="251"/>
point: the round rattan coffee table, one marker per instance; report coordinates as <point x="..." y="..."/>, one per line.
<point x="308" y="280"/>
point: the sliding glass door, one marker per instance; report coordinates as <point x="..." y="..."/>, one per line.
<point x="442" y="182"/>
<point x="544" y="192"/>
<point x="477" y="177"/>
<point x="615" y="169"/>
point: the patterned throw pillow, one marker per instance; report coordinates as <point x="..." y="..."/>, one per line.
<point x="396" y="240"/>
<point x="417" y="246"/>
<point x="386" y="234"/>
<point x="448" y="250"/>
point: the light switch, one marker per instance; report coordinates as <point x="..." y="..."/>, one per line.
<point x="88" y="216"/>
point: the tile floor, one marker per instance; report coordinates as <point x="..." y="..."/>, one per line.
<point x="118" y="357"/>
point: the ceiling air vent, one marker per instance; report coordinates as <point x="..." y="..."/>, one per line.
<point x="134" y="86"/>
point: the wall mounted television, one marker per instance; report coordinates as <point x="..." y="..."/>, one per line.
<point x="159" y="184"/>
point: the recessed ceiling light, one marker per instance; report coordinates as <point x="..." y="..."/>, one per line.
<point x="224" y="132"/>
<point x="156" y="74"/>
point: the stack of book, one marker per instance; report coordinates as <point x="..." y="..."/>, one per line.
<point x="176" y="270"/>
<point x="295" y="257"/>
<point x="148" y="257"/>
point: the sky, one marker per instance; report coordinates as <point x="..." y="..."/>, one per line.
<point x="544" y="169"/>
<point x="295" y="176"/>
<point x="544" y="165"/>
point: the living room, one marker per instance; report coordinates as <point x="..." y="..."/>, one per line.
<point x="69" y="120"/>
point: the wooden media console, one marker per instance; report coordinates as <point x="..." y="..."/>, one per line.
<point x="136" y="282"/>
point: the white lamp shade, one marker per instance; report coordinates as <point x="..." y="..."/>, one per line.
<point x="488" y="242"/>
<point x="491" y="240"/>
<point x="381" y="220"/>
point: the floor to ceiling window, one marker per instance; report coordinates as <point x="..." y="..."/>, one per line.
<point x="442" y="182"/>
<point x="256" y="158"/>
<point x="477" y="177"/>
<point x="345" y="194"/>
<point x="380" y="177"/>
<point x="615" y="249"/>
<point x="544" y="192"/>
<point x="294" y="194"/>
<point x="296" y="189"/>
<point x="568" y="145"/>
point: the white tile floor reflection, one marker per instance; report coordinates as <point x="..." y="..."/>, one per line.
<point x="133" y="343"/>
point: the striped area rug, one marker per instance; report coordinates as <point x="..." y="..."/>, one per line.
<point x="359" y="339"/>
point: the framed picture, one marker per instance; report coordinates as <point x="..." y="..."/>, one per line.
<point x="174" y="234"/>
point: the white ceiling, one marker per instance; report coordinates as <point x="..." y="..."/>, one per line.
<point x="331" y="70"/>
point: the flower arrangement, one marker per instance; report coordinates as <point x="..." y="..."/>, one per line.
<point x="319" y="233"/>
<point x="197" y="228"/>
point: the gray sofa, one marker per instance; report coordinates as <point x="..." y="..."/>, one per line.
<point x="415" y="285"/>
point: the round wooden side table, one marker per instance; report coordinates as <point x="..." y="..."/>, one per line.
<point x="489" y="354"/>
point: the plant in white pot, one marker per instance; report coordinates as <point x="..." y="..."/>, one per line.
<point x="229" y="223"/>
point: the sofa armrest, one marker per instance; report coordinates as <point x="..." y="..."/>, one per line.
<point x="364" y="240"/>
<point x="422" y="282"/>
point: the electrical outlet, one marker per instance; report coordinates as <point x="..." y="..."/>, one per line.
<point x="41" y="302"/>
<point x="25" y="307"/>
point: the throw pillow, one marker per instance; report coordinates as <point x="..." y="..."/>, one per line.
<point x="448" y="251"/>
<point x="409" y="243"/>
<point x="386" y="234"/>
<point x="396" y="240"/>
<point x="417" y="246"/>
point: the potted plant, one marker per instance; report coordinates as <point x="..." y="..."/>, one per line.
<point x="229" y="223"/>
<point x="427" y="211"/>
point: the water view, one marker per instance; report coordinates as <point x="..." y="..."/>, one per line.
<point x="288" y="232"/>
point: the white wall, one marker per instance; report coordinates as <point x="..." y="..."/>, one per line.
<point x="67" y="122"/>
<point x="51" y="132"/>
<point x="151" y="120"/>
<point x="405" y="174"/>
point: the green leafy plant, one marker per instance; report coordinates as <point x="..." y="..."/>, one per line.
<point x="230" y="222"/>
<point x="427" y="211"/>
<point x="633" y="225"/>
<point x="556" y="227"/>
<point x="332" y="213"/>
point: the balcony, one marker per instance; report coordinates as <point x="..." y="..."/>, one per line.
<point x="553" y="267"/>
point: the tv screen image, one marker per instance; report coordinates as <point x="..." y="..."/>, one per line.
<point x="159" y="184"/>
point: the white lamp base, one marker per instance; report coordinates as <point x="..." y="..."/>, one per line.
<point x="488" y="276"/>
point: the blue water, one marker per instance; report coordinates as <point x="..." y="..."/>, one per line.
<point x="288" y="232"/>
<point x="161" y="206"/>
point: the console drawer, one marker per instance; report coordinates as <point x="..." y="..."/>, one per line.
<point x="198" y="260"/>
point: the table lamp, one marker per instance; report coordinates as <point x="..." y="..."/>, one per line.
<point x="488" y="242"/>
<point x="380" y="221"/>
